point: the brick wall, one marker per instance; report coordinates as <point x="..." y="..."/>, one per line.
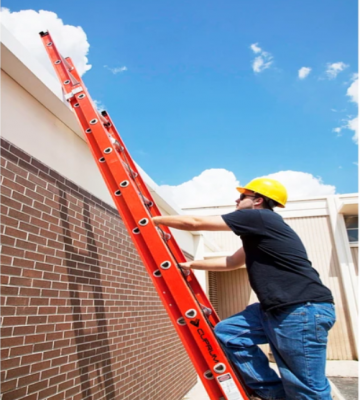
<point x="81" y="318"/>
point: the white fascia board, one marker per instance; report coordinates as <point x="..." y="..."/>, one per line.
<point x="348" y="204"/>
<point x="27" y="71"/>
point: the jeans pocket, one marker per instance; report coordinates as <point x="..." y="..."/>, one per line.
<point x="323" y="322"/>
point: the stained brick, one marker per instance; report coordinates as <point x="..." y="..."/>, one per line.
<point x="80" y="270"/>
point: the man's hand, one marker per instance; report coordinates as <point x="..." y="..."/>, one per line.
<point x="186" y="265"/>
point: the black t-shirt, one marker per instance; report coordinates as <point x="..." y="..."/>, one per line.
<point x="279" y="270"/>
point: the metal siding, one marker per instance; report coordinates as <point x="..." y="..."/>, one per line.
<point x="355" y="256"/>
<point x="234" y="292"/>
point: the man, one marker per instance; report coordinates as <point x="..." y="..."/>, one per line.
<point x="296" y="310"/>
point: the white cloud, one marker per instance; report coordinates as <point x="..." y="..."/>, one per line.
<point x="211" y="187"/>
<point x="351" y="123"/>
<point x="255" y="48"/>
<point x="71" y="40"/>
<point x="304" y="72"/>
<point x="116" y="70"/>
<point x="352" y="91"/>
<point x="218" y="187"/>
<point x="302" y="184"/>
<point x="334" y="69"/>
<point x="261" y="62"/>
<point x="99" y="105"/>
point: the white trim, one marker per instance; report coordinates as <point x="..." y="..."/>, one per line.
<point x="347" y="268"/>
<point x="25" y="69"/>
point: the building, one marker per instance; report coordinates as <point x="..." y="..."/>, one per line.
<point x="75" y="295"/>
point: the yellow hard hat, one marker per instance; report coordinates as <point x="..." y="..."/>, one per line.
<point x="270" y="188"/>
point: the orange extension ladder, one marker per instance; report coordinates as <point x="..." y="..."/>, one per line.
<point x="187" y="305"/>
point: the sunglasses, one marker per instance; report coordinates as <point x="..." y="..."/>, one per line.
<point x="244" y="195"/>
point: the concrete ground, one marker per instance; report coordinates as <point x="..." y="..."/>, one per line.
<point x="343" y="376"/>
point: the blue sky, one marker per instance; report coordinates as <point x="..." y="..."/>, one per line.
<point x="188" y="99"/>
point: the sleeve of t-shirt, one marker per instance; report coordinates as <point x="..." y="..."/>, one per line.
<point x="244" y="222"/>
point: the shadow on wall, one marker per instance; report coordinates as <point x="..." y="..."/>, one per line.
<point x="92" y="349"/>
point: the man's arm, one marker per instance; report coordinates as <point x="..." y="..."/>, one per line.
<point x="192" y="223"/>
<point x="220" y="264"/>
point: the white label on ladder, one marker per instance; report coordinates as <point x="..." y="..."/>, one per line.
<point x="229" y="387"/>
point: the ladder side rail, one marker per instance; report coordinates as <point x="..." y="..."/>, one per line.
<point x="174" y="247"/>
<point x="138" y="210"/>
<point x="164" y="293"/>
<point x="62" y="72"/>
<point x="172" y="276"/>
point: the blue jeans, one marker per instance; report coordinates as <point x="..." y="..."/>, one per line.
<point x="297" y="336"/>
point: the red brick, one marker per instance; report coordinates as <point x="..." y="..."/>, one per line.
<point x="22" y="198"/>
<point x="29" y="292"/>
<point x="13" y="185"/>
<point x="16" y="372"/>
<point x="26" y="380"/>
<point x="7" y="221"/>
<point x="20" y="281"/>
<point x="41" y="284"/>
<point x="21" y="262"/>
<point x="66" y="385"/>
<point x="32" y="273"/>
<point x="40" y="366"/>
<point x="12" y="341"/>
<point x="37" y="320"/>
<point x="7" y="270"/>
<point x="9" y="291"/>
<point x="10" y="363"/>
<point x="14" y="321"/>
<point x="51" y="354"/>
<point x="59" y="361"/>
<point x="8" y="385"/>
<point x="17" y="301"/>
<point x="44" y="394"/>
<point x="25" y="182"/>
<point x="24" y="330"/>
<point x="37" y="386"/>
<point x="34" y="338"/>
<point x="59" y="396"/>
<point x="44" y="266"/>
<point x="34" y="256"/>
<point x="24" y="244"/>
<point x="21" y="350"/>
<point x="37" y="181"/>
<point x="39" y="222"/>
<point x="5" y="332"/>
<point x="39" y="301"/>
<point x="18" y="215"/>
<point x="37" y="239"/>
<point x="26" y="310"/>
<point x="45" y="328"/>
<point x="48" y="373"/>
<point x="12" y="251"/>
<point x="33" y="396"/>
<point x="7" y="240"/>
<point x="29" y="228"/>
<point x="33" y="195"/>
<point x="6" y="260"/>
<point x="31" y="358"/>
